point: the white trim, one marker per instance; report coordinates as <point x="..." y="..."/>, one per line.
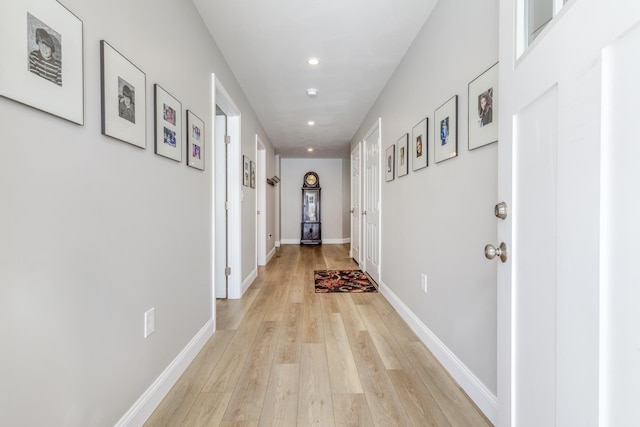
<point x="271" y="254"/>
<point x="142" y="409"/>
<point x="477" y="391"/>
<point x="324" y="241"/>
<point x="261" y="202"/>
<point x="277" y="244"/>
<point x="336" y="241"/>
<point x="248" y="281"/>
<point x="234" y="185"/>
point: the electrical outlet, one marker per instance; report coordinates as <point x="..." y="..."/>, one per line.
<point x="424" y="283"/>
<point x="149" y="322"/>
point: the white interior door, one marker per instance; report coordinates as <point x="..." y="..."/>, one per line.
<point x="556" y="309"/>
<point x="355" y="203"/>
<point x="371" y="212"/>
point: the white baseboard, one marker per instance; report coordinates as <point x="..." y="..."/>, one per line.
<point x="248" y="281"/>
<point x="277" y="243"/>
<point x="324" y="241"/>
<point x="142" y="409"/>
<point x="477" y="391"/>
<point x="270" y="255"/>
<point x="335" y="241"/>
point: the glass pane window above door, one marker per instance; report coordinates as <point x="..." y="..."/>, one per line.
<point x="533" y="17"/>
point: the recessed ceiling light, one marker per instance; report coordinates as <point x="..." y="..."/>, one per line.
<point x="313" y="61"/>
<point x="310" y="150"/>
<point x="311" y="92"/>
<point x="311" y="123"/>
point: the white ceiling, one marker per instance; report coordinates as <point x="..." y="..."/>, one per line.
<point x="359" y="43"/>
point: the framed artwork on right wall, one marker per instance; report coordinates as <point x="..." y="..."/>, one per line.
<point x="483" y="109"/>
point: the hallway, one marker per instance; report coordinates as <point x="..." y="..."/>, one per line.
<point x="285" y="356"/>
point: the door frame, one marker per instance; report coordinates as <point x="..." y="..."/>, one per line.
<point x="356" y="204"/>
<point x="365" y="243"/>
<point x="261" y="202"/>
<point x="222" y="98"/>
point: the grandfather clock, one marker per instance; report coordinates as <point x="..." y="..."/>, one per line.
<point x="310" y="230"/>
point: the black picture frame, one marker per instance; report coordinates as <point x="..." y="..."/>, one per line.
<point x="46" y="71"/>
<point x="420" y="145"/>
<point x="253" y="175"/>
<point x="195" y="141"/>
<point x="245" y="171"/>
<point x="483" y="109"/>
<point x="390" y="164"/>
<point x="445" y="139"/>
<point x="168" y="124"/>
<point x="403" y="155"/>
<point x="123" y="89"/>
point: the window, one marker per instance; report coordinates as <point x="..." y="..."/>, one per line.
<point x="533" y="17"/>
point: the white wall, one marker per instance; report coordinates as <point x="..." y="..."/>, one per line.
<point x="437" y="220"/>
<point x="96" y="231"/>
<point x="333" y="211"/>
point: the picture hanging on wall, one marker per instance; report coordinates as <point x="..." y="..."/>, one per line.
<point x="42" y="62"/>
<point x="483" y="109"/>
<point x="420" y="145"/>
<point x="245" y="171"/>
<point x="446" y="130"/>
<point x="391" y="162"/>
<point x="403" y="155"/>
<point x="195" y="141"/>
<point x="253" y="174"/>
<point x="168" y="125"/>
<point x="124" y="100"/>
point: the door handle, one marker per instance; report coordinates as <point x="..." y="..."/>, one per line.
<point x="490" y="252"/>
<point x="364" y="212"/>
<point x="501" y="210"/>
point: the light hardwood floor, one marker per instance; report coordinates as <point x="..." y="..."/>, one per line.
<point x="286" y="356"/>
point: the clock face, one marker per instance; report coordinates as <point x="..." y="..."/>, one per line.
<point x="311" y="179"/>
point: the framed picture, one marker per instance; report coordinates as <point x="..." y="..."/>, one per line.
<point x="391" y="162"/>
<point x="483" y="109"/>
<point x="420" y="145"/>
<point x="124" y="97"/>
<point x="253" y="174"/>
<point x="446" y="130"/>
<point x="195" y="141"/>
<point x="245" y="171"/>
<point x="403" y="155"/>
<point x="42" y="62"/>
<point x="168" y="125"/>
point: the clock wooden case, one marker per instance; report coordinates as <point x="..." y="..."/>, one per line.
<point x="311" y="233"/>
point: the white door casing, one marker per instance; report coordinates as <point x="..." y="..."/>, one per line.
<point x="562" y="359"/>
<point x="261" y="218"/>
<point x="356" y="183"/>
<point x="220" y="196"/>
<point x="234" y="188"/>
<point x="371" y="202"/>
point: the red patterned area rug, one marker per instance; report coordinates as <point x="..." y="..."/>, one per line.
<point x="343" y="281"/>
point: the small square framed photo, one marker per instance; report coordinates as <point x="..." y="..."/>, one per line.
<point x="195" y="141"/>
<point x="42" y="57"/>
<point x="390" y="163"/>
<point x="446" y="130"/>
<point x="124" y="101"/>
<point x="483" y="109"/>
<point x="245" y="171"/>
<point x="168" y="125"/>
<point x="420" y="145"/>
<point x="253" y="174"/>
<point x="403" y="155"/>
